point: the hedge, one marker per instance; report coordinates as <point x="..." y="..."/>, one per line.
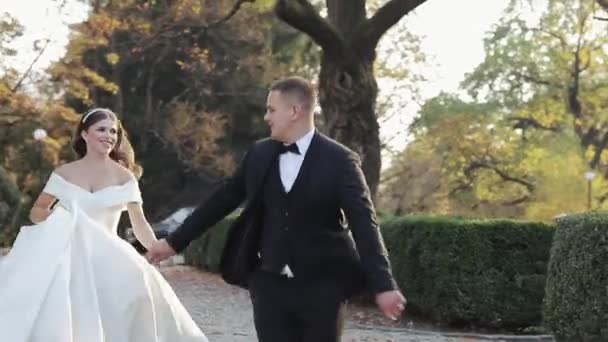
<point x="576" y="300"/>
<point x="487" y="273"/>
<point x="205" y="252"/>
<point x="457" y="271"/>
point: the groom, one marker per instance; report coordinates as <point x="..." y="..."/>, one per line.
<point x="291" y="246"/>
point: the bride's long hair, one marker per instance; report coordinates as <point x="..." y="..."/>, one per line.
<point x="122" y="152"/>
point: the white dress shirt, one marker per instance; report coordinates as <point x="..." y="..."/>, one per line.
<point x="290" y="163"/>
<point x="289" y="167"/>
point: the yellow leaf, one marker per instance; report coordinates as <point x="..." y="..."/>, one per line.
<point x="112" y="58"/>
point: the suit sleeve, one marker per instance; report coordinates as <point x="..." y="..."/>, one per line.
<point x="356" y="203"/>
<point x="225" y="198"/>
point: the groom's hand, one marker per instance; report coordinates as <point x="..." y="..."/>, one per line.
<point x="391" y="303"/>
<point x="159" y="251"/>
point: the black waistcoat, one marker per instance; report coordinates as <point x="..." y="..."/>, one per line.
<point x="276" y="225"/>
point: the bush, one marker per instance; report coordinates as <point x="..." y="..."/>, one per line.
<point x="459" y="271"/>
<point x="206" y="251"/>
<point x="487" y="273"/>
<point x="576" y="300"/>
<point x="10" y="208"/>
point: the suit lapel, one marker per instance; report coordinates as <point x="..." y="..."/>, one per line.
<point x="267" y="158"/>
<point x="265" y="161"/>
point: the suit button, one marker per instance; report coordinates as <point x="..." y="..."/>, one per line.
<point x="286" y="213"/>
<point x="286" y="228"/>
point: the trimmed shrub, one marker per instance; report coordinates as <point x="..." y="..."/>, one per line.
<point x="487" y="273"/>
<point x="576" y="300"/>
<point x="458" y="271"/>
<point x="206" y="251"/>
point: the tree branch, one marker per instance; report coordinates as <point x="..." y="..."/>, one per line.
<point x="171" y="31"/>
<point x="562" y="40"/>
<point x="588" y="137"/>
<point x="301" y="15"/>
<point x="532" y="79"/>
<point x="388" y="15"/>
<point x="29" y="69"/>
<point x="517" y="200"/>
<point x="501" y="173"/>
<point x="574" y="104"/>
<point x="460" y="187"/>
<point x="230" y="14"/>
<point x="599" y="148"/>
<point x="524" y="123"/>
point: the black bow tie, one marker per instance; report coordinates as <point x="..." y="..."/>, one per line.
<point x="289" y="148"/>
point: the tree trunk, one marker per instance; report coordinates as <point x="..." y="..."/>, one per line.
<point x="347" y="95"/>
<point x="347" y="85"/>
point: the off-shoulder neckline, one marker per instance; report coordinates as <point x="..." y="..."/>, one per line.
<point x="96" y="191"/>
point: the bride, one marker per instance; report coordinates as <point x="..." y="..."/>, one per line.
<point x="69" y="277"/>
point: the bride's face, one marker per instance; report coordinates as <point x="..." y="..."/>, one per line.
<point x="101" y="137"/>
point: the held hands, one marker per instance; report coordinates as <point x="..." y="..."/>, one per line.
<point x="391" y="303"/>
<point x="159" y="251"/>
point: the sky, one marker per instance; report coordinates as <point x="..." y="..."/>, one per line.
<point x="452" y="36"/>
<point x="42" y="19"/>
<point x="453" y="33"/>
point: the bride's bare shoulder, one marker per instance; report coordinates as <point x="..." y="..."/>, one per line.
<point x="124" y="174"/>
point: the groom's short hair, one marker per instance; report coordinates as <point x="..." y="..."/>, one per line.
<point x="298" y="87"/>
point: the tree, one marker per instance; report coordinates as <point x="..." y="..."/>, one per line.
<point x="347" y="84"/>
<point x="472" y="159"/>
<point x="9" y="30"/>
<point x="473" y="162"/>
<point x="413" y="182"/>
<point x="24" y="162"/>
<point x="189" y="80"/>
<point x="10" y="208"/>
<point x="551" y="75"/>
<point x="538" y="123"/>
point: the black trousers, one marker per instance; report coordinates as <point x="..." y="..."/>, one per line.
<point x="296" y="310"/>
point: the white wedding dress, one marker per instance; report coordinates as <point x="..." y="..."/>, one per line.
<point x="72" y="279"/>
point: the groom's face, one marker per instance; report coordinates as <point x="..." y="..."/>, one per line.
<point x="281" y="114"/>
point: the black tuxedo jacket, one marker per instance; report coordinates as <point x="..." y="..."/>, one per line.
<point x="333" y="187"/>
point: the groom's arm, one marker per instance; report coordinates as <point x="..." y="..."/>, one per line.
<point x="355" y="200"/>
<point x="224" y="198"/>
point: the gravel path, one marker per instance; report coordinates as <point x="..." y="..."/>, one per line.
<point x="224" y="314"/>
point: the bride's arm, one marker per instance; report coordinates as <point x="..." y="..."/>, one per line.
<point x="141" y="228"/>
<point x="41" y="208"/>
